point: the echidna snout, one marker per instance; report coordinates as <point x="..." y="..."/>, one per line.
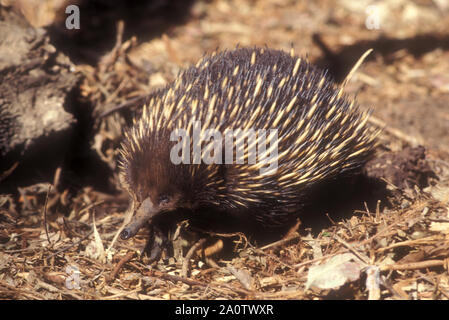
<point x="321" y="134"/>
<point x="145" y="212"/>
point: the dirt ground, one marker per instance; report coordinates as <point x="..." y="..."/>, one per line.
<point x="389" y="240"/>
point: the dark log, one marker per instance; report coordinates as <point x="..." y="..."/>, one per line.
<point x="35" y="85"/>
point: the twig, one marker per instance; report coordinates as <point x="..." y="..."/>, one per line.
<point x="275" y="258"/>
<point x="417" y="265"/>
<point x="114" y="108"/>
<point x="438" y="220"/>
<point x="357" y="254"/>
<point x="280" y="242"/>
<point x="437" y="287"/>
<point x="108" y="59"/>
<point x="8" y="172"/>
<point x="119" y="265"/>
<point x="174" y="278"/>
<point x="28" y="293"/>
<point x="45" y="214"/>
<point x="90" y="206"/>
<point x="302" y="264"/>
<point x="192" y="282"/>
<point x="427" y="240"/>
<point x="128" y="294"/>
<point x="290" y="235"/>
<point x="57" y="177"/>
<point x="211" y="262"/>
<point x="242" y="237"/>
<point x="186" y="262"/>
<point x="70" y="246"/>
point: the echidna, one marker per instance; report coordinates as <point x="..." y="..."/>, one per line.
<point x="318" y="134"/>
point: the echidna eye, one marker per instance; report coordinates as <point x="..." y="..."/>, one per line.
<point x="163" y="199"/>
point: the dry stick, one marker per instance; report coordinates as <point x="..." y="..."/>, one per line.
<point x="192" y="282"/>
<point x="128" y="294"/>
<point x="211" y="262"/>
<point x="438" y="220"/>
<point x="259" y="251"/>
<point x="84" y="237"/>
<point x="125" y="104"/>
<point x="63" y="198"/>
<point x="409" y="266"/>
<point x="280" y="242"/>
<point x="186" y="262"/>
<point x="91" y="206"/>
<point x="119" y="265"/>
<point x="225" y="235"/>
<point x="46" y="286"/>
<point x="388" y="228"/>
<point x="290" y="235"/>
<point x="108" y="59"/>
<point x="436" y="286"/>
<point x="119" y="88"/>
<point x="57" y="177"/>
<point x="427" y="240"/>
<point x="72" y="245"/>
<point x="8" y="172"/>
<point x="45" y="214"/>
<point x="357" y="254"/>
<point x="417" y="265"/>
<point x="28" y="293"/>
<point x="302" y="264"/>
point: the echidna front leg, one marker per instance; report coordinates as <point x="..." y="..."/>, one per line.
<point x="156" y="243"/>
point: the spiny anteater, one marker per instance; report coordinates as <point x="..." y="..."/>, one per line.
<point x="320" y="135"/>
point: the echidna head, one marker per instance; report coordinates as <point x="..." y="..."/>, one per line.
<point x="147" y="209"/>
<point x="154" y="183"/>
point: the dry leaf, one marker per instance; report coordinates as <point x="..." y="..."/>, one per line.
<point x="335" y="272"/>
<point x="95" y="248"/>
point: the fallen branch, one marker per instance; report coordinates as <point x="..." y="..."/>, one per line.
<point x="417" y="265"/>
